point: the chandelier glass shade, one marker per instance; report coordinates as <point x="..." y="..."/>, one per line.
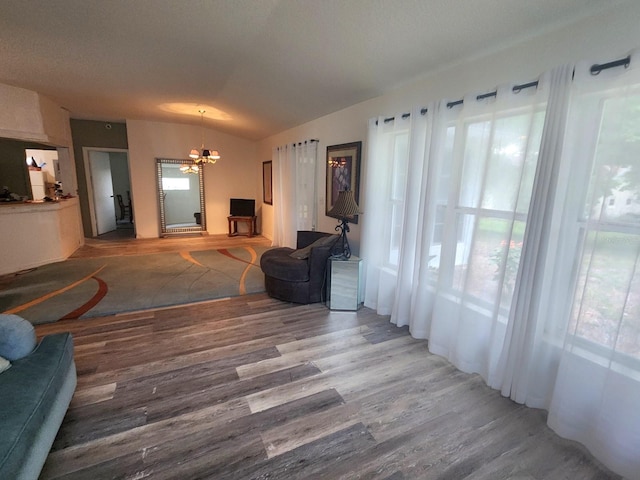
<point x="336" y="162"/>
<point x="189" y="168"/>
<point x="204" y="155"/>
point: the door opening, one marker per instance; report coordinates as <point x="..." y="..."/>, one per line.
<point x="109" y="193"/>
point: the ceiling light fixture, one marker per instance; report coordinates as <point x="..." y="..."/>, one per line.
<point x="189" y="168"/>
<point x="337" y="162"/>
<point x="204" y="155"/>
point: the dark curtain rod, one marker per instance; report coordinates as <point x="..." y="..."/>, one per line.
<point x="595" y="70"/>
<point x="482" y="96"/>
<point x="623" y="62"/>
<point x="423" y="111"/>
<point x="301" y="143"/>
<point x="404" y="115"/>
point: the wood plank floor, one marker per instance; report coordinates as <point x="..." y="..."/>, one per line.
<point x="250" y="387"/>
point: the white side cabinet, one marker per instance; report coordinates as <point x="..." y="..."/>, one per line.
<point x="343" y="292"/>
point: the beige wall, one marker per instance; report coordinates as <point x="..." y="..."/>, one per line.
<point x="602" y="38"/>
<point x="236" y="174"/>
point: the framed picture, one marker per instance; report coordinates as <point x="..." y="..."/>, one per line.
<point x="343" y="173"/>
<point x="267" y="189"/>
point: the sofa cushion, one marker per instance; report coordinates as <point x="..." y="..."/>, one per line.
<point x="278" y="263"/>
<point x="4" y="364"/>
<point x="17" y="337"/>
<point x="303" y="253"/>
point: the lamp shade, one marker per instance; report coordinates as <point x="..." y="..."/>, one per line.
<point x="345" y="206"/>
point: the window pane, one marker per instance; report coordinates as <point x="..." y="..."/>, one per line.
<point x="487" y="266"/>
<point x="173" y="183"/>
<point x="475" y="156"/>
<point x="396" y="234"/>
<point x="512" y="162"/>
<point x="398" y="186"/>
<point x="606" y="307"/>
<point x="446" y="166"/>
<point x="614" y="190"/>
<point x="400" y="163"/>
<point x="629" y="338"/>
<point x="604" y="292"/>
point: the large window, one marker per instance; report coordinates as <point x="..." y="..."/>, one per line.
<point x="520" y="252"/>
<point x="606" y="310"/>
<point x="494" y="159"/>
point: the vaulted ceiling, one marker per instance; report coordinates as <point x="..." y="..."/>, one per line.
<point x="256" y="66"/>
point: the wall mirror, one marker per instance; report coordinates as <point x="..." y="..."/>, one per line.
<point x="181" y="197"/>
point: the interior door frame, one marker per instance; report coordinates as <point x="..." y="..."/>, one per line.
<point x="89" y="181"/>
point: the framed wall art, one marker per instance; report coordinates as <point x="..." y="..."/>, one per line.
<point x="267" y="187"/>
<point x="343" y="173"/>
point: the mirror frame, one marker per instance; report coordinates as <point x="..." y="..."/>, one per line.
<point x="163" y="224"/>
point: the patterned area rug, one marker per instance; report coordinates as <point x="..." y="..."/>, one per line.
<point x="82" y="288"/>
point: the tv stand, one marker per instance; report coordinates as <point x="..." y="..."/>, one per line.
<point x="249" y="220"/>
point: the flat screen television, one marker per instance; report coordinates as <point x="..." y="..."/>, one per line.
<point x="242" y="207"/>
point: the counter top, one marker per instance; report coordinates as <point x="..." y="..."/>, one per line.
<point x="9" y="207"/>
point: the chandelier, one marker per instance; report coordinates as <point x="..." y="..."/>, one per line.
<point x="337" y="162"/>
<point x="204" y="155"/>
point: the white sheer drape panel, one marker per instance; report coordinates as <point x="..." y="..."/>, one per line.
<point x="419" y="218"/>
<point x="306" y="159"/>
<point x="284" y="227"/>
<point x="294" y="191"/>
<point x="483" y="155"/>
<point x="519" y="257"/>
<point x="596" y="395"/>
<point x="527" y="365"/>
<point x="385" y="175"/>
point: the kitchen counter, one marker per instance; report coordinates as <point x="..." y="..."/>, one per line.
<point x="36" y="233"/>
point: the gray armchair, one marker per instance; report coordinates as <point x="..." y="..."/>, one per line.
<point x="301" y="279"/>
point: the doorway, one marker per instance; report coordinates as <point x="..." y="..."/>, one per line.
<point x="109" y="193"/>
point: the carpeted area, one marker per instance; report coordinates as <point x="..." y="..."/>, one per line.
<point x="90" y="287"/>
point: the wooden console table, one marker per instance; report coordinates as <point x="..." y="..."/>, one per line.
<point x="250" y="221"/>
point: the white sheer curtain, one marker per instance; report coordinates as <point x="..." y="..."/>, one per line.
<point x="306" y="154"/>
<point x="527" y="365"/>
<point x="294" y="191"/>
<point x="519" y="256"/>
<point x="284" y="206"/>
<point x="385" y="177"/>
<point x="596" y="395"/>
<point x="484" y="159"/>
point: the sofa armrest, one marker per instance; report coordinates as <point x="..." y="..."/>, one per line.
<point x="318" y="266"/>
<point x="35" y="393"/>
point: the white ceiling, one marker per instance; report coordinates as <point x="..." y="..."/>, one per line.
<point x="256" y="66"/>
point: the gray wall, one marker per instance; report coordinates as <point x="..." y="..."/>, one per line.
<point x="89" y="133"/>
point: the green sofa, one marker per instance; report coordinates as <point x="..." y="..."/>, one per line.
<point x="36" y="390"/>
